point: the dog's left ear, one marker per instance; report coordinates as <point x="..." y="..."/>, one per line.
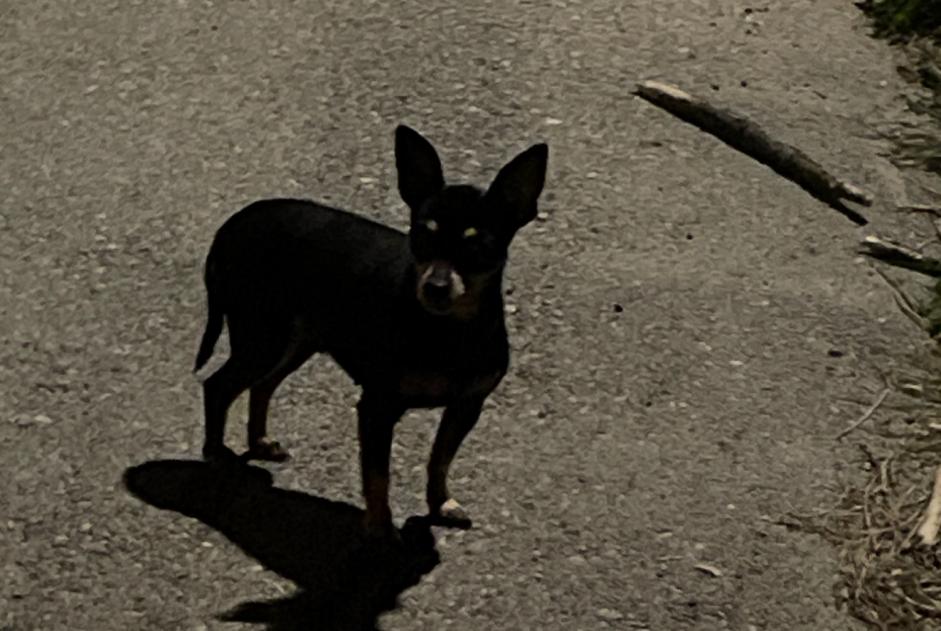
<point x="517" y="186"/>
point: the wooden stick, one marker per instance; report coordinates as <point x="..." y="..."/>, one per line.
<point x="931" y="522"/>
<point x="900" y="256"/>
<point x="745" y="136"/>
<point x="865" y="417"/>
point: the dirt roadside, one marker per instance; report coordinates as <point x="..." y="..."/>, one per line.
<point x="885" y="526"/>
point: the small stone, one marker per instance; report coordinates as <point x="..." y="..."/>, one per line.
<point x="86" y="527"/>
<point x="610" y="614"/>
<point x="98" y="547"/>
<point x="553" y="121"/>
<point x="42" y="419"/>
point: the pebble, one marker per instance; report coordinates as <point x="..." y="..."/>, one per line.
<point x="610" y="614"/>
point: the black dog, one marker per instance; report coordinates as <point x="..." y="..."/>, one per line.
<point x="416" y="320"/>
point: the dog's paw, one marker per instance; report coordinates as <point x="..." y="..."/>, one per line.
<point x="268" y="450"/>
<point x="450" y="514"/>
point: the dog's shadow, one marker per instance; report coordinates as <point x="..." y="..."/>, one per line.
<point x="345" y="581"/>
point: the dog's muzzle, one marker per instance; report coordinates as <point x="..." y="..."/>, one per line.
<point x="439" y="285"/>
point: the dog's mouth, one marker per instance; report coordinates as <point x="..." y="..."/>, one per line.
<point x="435" y="308"/>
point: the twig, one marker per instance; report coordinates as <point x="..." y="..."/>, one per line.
<point x="921" y="208"/>
<point x="885" y="475"/>
<point x="746" y="136"/>
<point x="928" y="531"/>
<point x="865" y="417"/>
<point x="706" y="568"/>
<point x="900" y="256"/>
<point x="904" y="303"/>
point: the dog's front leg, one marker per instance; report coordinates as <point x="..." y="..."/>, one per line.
<point x="377" y="419"/>
<point x="456" y="422"/>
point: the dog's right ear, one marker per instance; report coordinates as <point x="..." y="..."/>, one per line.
<point x="419" y="167"/>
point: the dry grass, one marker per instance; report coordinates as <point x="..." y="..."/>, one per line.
<point x="890" y="580"/>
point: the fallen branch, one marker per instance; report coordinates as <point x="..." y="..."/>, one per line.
<point x="740" y="133"/>
<point x="931" y="523"/>
<point x="866" y="415"/>
<point x="900" y="256"/>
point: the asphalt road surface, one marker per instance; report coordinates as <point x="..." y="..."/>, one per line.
<point x="689" y="330"/>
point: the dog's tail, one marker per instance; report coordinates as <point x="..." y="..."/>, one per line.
<point x="215" y="318"/>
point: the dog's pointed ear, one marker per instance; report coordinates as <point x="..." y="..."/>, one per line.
<point x="517" y="186"/>
<point x="418" y="165"/>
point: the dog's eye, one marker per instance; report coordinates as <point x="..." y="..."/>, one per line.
<point x="470" y="232"/>
<point x="432" y="225"/>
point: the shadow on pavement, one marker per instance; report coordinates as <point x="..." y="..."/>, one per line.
<point x="344" y="582"/>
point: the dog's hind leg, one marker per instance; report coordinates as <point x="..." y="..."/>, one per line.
<point x="256" y="350"/>
<point x="219" y="391"/>
<point x="260" y="447"/>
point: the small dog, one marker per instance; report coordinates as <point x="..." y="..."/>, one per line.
<point x="415" y="319"/>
